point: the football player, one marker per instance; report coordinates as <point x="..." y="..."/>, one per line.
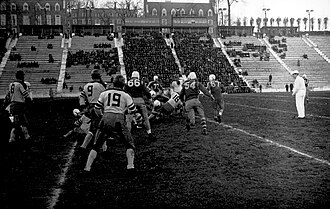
<point x="17" y="98"/>
<point x="166" y="107"/>
<point x="216" y="89"/>
<point x="155" y="85"/>
<point x="136" y="88"/>
<point x="87" y="100"/>
<point x="190" y="96"/>
<point x="113" y="104"/>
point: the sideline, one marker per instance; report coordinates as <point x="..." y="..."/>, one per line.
<point x="283" y="111"/>
<point x="57" y="190"/>
<point x="273" y="143"/>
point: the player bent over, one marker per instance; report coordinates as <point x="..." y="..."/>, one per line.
<point x="114" y="102"/>
<point x="167" y="108"/>
<point x="216" y="89"/>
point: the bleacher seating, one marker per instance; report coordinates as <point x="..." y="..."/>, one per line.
<point x="84" y="54"/>
<point x="255" y="67"/>
<point x="36" y="73"/>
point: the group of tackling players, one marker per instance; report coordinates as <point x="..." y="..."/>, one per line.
<point x="112" y="111"/>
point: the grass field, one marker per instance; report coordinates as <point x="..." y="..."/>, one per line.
<point x="259" y="157"/>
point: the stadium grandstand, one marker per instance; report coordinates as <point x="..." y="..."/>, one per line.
<point x="61" y="57"/>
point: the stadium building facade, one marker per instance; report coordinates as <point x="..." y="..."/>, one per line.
<point x="35" y="17"/>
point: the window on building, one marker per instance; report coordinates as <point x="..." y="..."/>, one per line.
<point x="164" y="12"/>
<point x="38" y="19"/>
<point x="154" y="12"/>
<point x="210" y="13"/>
<point x="57" y="7"/>
<point x="47" y="6"/>
<point x="192" y="12"/>
<point x="210" y="22"/>
<point x="164" y="21"/>
<point x="26" y="20"/>
<point x="200" y="13"/>
<point x="25" y="7"/>
<point x="173" y="12"/>
<point x="49" y="19"/>
<point x="75" y="22"/>
<point x="97" y="22"/>
<point x="182" y="12"/>
<point x="83" y="21"/>
<point x="13" y="7"/>
<point x="3" y="19"/>
<point x="211" y="30"/>
<point x="89" y="21"/>
<point x="3" y="6"/>
<point x="74" y="14"/>
<point x="58" y="20"/>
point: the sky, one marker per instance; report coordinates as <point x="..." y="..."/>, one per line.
<point x="278" y="8"/>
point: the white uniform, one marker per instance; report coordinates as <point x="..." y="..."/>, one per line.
<point x="299" y="90"/>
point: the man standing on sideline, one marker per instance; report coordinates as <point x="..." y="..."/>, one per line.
<point x="189" y="95"/>
<point x="87" y="100"/>
<point x="299" y="91"/>
<point x="17" y="96"/>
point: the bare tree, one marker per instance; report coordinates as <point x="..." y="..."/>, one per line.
<point x="319" y="20"/>
<point x="305" y="22"/>
<point x="278" y="21"/>
<point x="125" y="8"/>
<point x="325" y="21"/>
<point x="229" y="3"/>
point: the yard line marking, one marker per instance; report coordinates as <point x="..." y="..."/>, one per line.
<point x="283" y="111"/>
<point x="274" y="143"/>
<point x="272" y="96"/>
<point x="57" y="190"/>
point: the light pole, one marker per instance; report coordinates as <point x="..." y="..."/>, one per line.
<point x="265" y="10"/>
<point x="221" y="12"/>
<point x="309" y="18"/>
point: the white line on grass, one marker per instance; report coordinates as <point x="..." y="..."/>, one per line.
<point x="57" y="190"/>
<point x="274" y="143"/>
<point x="268" y="109"/>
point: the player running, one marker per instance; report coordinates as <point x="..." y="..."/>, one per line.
<point x="112" y="104"/>
<point x="87" y="100"/>
<point x="216" y="89"/>
<point x="189" y="94"/>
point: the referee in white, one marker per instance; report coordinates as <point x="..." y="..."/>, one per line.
<point x="299" y="90"/>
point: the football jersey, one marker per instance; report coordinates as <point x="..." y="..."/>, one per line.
<point x="191" y="90"/>
<point x="137" y="89"/>
<point x="18" y="92"/>
<point x="215" y="87"/>
<point x="115" y="101"/>
<point x="91" y="93"/>
<point x="174" y="101"/>
<point x="155" y="86"/>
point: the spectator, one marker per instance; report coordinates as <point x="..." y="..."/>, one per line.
<point x="270" y="77"/>
<point x="291" y="87"/>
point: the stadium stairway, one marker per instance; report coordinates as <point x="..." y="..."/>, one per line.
<point x="314" y="65"/>
<point x="310" y="43"/>
<point x="218" y="43"/>
<point x="256" y="69"/>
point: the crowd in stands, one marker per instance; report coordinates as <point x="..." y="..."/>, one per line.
<point x="149" y="55"/>
<point x="48" y="80"/>
<point x="107" y="59"/>
<point x="204" y="59"/>
<point x="28" y="64"/>
<point x="102" y="45"/>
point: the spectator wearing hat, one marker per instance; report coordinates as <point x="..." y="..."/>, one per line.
<point x="299" y="91"/>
